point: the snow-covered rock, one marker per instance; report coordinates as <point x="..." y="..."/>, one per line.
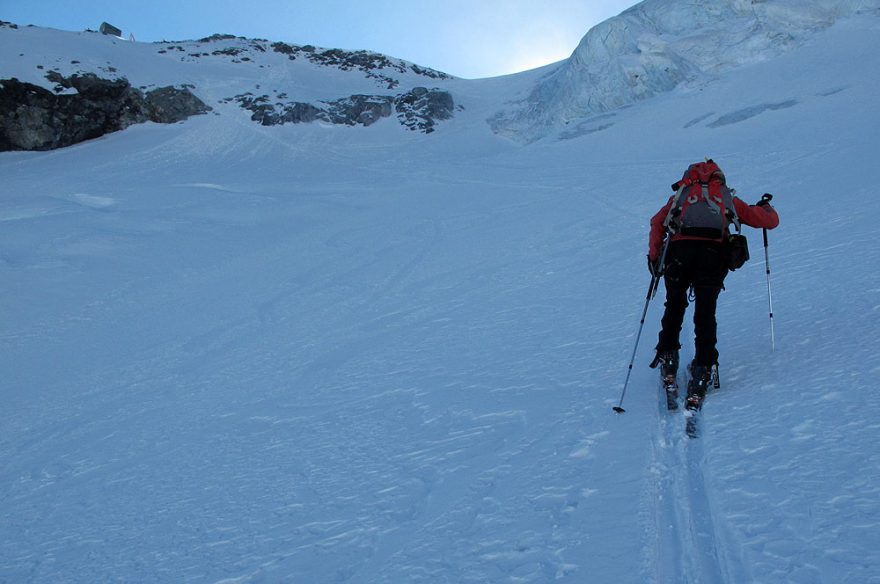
<point x="276" y="82"/>
<point x="418" y="109"/>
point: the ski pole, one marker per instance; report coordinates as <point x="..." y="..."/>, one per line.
<point x="618" y="407"/>
<point x="652" y="290"/>
<point x="765" y="200"/>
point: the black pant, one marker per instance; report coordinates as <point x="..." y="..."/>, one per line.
<point x="701" y="265"/>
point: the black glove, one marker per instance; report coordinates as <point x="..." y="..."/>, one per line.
<point x="654" y="267"/>
<point x="765" y="200"/>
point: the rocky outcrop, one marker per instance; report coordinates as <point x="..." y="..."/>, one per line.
<point x="169" y="105"/>
<point x="34" y="118"/>
<point x="419" y="109"/>
<point x="367" y="62"/>
<point x="354" y="110"/>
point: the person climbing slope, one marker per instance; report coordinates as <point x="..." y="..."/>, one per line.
<point x="700" y="253"/>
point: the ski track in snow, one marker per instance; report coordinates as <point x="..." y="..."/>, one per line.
<point x="691" y="542"/>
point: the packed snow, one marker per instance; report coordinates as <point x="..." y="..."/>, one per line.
<point x="312" y="353"/>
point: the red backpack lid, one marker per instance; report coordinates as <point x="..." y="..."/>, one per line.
<point x="701" y="172"/>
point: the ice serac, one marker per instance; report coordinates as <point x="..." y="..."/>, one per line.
<point x="659" y="45"/>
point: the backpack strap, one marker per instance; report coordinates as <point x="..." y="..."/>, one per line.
<point x="730" y="208"/>
<point x="670" y="224"/>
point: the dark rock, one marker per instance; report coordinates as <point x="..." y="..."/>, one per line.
<point x="218" y="37"/>
<point x="371" y="64"/>
<point x="169" y="105"/>
<point x="25" y="127"/>
<point x="230" y="51"/>
<point x="418" y="110"/>
<point x="291" y="113"/>
<point x="34" y="118"/>
<point x="421" y="108"/>
<point x="363" y="110"/>
<point x="425" y="72"/>
<point x="285" y="49"/>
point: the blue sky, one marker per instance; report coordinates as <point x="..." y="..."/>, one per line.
<point x="470" y="39"/>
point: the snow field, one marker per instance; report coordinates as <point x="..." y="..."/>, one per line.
<point x="240" y="354"/>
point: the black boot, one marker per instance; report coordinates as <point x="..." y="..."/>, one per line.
<point x="668" y="363"/>
<point x="698" y="385"/>
<point x="667" y="360"/>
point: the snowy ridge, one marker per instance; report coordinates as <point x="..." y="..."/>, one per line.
<point x="659" y="45"/>
<point x="33" y="51"/>
<point x="230" y="74"/>
<point x="314" y="353"/>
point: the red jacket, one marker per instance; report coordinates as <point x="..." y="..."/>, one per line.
<point x="752" y="215"/>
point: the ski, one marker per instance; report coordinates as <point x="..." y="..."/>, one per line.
<point x="670" y="391"/>
<point x="696" y="390"/>
<point x="668" y="363"/>
<point x="692" y="417"/>
<point x="695" y="397"/>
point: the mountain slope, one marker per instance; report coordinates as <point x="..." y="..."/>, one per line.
<point x="274" y="82"/>
<point x="242" y="353"/>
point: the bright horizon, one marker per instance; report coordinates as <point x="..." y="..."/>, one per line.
<point x="466" y="39"/>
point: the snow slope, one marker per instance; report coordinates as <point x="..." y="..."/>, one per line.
<point x="308" y="353"/>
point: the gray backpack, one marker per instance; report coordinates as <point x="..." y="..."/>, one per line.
<point x="703" y="208"/>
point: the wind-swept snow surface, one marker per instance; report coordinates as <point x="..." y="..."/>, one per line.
<point x="234" y="353"/>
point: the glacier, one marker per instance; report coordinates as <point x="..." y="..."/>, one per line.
<point x="659" y="45"/>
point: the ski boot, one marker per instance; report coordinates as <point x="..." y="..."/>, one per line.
<point x="668" y="362"/>
<point x="701" y="376"/>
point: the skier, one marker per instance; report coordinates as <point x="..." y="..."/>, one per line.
<point x="696" y="220"/>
